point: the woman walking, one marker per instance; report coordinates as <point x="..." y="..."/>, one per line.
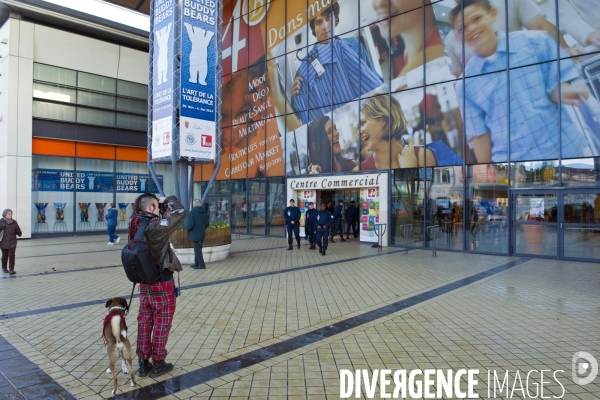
<point x="9" y="230"/>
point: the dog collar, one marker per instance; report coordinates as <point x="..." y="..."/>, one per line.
<point x="116" y="308"/>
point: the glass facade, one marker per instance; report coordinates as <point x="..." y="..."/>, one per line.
<point x="73" y="194"/>
<point x="465" y="105"/>
<point x="65" y="95"/>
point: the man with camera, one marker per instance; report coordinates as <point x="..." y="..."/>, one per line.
<point x="157" y="300"/>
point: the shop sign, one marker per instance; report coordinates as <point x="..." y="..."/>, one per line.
<point x="197" y="125"/>
<point x="57" y="180"/>
<point x="335" y="182"/>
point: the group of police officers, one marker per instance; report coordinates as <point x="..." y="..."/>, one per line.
<point x="319" y="222"/>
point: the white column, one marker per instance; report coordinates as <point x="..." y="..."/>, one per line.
<point x="16" y="80"/>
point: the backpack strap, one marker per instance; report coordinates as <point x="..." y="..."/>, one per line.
<point x="139" y="235"/>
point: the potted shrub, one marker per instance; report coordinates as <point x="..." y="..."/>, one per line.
<point x="216" y="246"/>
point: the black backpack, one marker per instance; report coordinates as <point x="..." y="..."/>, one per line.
<point x="139" y="263"/>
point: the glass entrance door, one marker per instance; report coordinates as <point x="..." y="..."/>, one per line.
<point x="556" y="223"/>
<point x="535" y="224"/>
<point x="581" y="225"/>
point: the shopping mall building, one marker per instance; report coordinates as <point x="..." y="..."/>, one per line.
<point x="495" y="139"/>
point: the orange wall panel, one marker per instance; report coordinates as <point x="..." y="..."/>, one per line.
<point x="52" y="147"/>
<point x="94" y="150"/>
<point x="136" y="154"/>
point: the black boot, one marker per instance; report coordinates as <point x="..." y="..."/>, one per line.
<point x="343" y="240"/>
<point x="323" y="252"/>
<point x="144" y="369"/>
<point x="291" y="247"/>
<point x="331" y="240"/>
<point x="298" y="243"/>
<point x="320" y="249"/>
<point x="160" y="367"/>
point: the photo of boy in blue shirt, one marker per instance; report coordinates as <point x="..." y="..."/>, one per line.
<point x="533" y="106"/>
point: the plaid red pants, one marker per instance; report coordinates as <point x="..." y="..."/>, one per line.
<point x="157" y="307"/>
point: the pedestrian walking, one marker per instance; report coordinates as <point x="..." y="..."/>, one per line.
<point x="9" y="230"/>
<point x="311" y="225"/>
<point x="196" y="223"/>
<point x="337" y="221"/>
<point x="111" y="225"/>
<point x="161" y="217"/>
<point x="324" y="222"/>
<point x="292" y="221"/>
<point x="352" y="220"/>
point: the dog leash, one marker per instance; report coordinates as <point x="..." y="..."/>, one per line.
<point x="130" y="299"/>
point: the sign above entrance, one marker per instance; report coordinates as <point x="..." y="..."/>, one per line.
<point x="337" y="182"/>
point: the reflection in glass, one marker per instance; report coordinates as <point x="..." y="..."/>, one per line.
<point x="534" y="174"/>
<point x="256" y="207"/>
<point x="581" y="172"/>
<point x="487" y="210"/>
<point x="239" y="206"/>
<point x="275" y="206"/>
<point x="437" y="68"/>
<point x="445" y="194"/>
<point x="408" y="186"/>
<point x="296" y="148"/>
<point x="536" y="229"/>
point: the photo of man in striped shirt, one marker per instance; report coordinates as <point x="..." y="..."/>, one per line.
<point x="334" y="72"/>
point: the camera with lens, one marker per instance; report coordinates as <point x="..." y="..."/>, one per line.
<point x="163" y="207"/>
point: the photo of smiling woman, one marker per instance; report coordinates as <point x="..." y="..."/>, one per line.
<point x="382" y="126"/>
<point x="323" y="142"/>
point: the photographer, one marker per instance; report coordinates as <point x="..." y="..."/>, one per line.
<point x="157" y="300"/>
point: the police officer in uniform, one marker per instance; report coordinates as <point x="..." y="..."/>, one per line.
<point x="324" y="222"/>
<point x="337" y="220"/>
<point x="292" y="220"/>
<point x="351" y="219"/>
<point x="311" y="225"/>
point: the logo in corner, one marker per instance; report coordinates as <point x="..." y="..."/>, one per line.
<point x="206" y="141"/>
<point x="190" y="140"/>
<point x="584" y="364"/>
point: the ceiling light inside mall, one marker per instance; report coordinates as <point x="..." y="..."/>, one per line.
<point x="107" y="11"/>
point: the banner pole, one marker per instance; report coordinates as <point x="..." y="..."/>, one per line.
<point x="150" y="102"/>
<point x="219" y="100"/>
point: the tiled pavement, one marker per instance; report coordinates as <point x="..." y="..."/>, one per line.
<point x="277" y="324"/>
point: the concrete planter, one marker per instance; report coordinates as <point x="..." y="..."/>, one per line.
<point x="210" y="254"/>
<point x="216" y="245"/>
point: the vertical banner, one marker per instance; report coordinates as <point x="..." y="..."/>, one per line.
<point x="197" y="125"/>
<point x="162" y="73"/>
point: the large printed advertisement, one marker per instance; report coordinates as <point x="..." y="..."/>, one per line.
<point x="197" y="125"/>
<point x="308" y="81"/>
<point x="162" y="71"/>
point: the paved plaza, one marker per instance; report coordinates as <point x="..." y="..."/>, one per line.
<point x="268" y="323"/>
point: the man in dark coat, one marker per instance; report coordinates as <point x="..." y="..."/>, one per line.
<point x="111" y="224"/>
<point x="9" y="229"/>
<point x="337" y="220"/>
<point x="157" y="300"/>
<point x="324" y="222"/>
<point x="351" y="219"/>
<point x="291" y="215"/>
<point x="311" y="225"/>
<point x="196" y="223"/>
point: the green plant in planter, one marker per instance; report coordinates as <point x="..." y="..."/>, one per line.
<point x="220" y="224"/>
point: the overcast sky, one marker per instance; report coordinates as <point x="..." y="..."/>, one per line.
<point x="107" y="11"/>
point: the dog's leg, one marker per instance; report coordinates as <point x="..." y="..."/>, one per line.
<point x="126" y="357"/>
<point x="113" y="355"/>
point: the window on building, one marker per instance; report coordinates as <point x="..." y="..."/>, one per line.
<point x="100" y="100"/>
